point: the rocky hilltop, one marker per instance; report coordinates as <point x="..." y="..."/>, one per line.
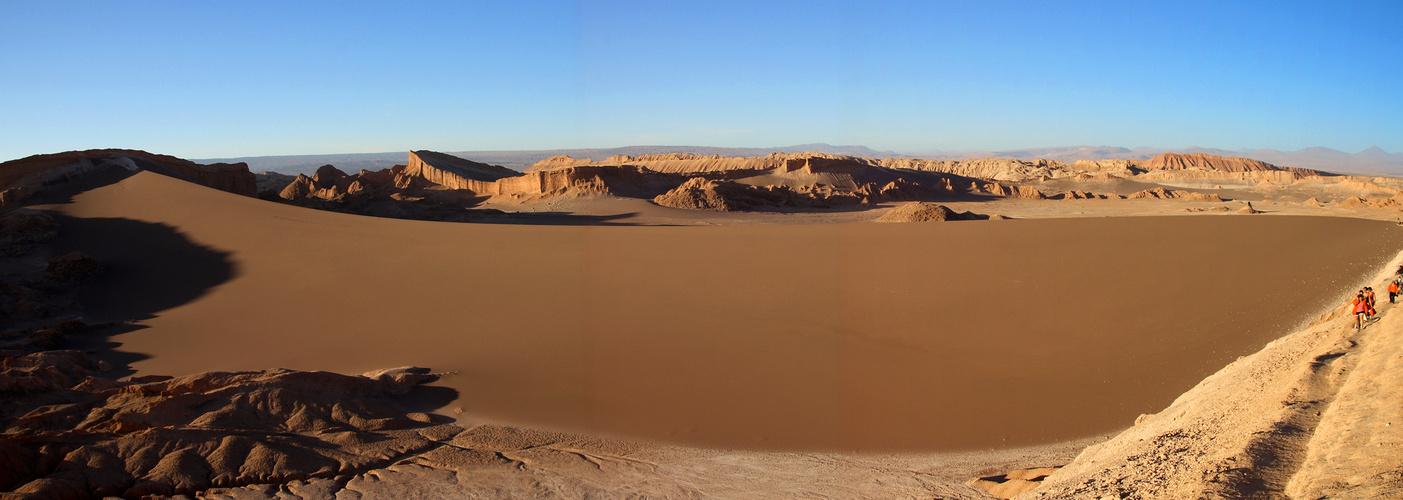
<point x="21" y="178"/>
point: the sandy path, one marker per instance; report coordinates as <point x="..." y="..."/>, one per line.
<point x="848" y="336"/>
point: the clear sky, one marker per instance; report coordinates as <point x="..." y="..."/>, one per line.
<point x="202" y="79"/>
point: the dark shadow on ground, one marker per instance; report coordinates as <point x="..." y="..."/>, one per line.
<point x="427" y="398"/>
<point x="63" y="189"/>
<point x="147" y="267"/>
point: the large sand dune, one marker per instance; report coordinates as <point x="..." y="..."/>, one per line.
<point x="845" y="336"/>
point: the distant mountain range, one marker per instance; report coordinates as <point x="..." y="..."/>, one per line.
<point x="1372" y="161"/>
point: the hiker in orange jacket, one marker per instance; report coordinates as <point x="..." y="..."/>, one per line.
<point x="1392" y="290"/>
<point x="1360" y="308"/>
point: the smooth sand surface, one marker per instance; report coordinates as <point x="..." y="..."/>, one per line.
<point x="869" y="337"/>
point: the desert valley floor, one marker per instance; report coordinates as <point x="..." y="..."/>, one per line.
<point x="854" y="336"/>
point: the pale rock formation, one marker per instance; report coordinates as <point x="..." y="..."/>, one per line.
<point x="1012" y="191"/>
<point x="999" y="169"/>
<point x="1106" y="168"/>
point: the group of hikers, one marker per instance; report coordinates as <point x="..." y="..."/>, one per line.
<point x="1363" y="302"/>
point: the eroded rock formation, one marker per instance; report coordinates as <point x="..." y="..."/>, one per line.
<point x="1173" y="194"/>
<point x="452" y="172"/>
<point x="923" y="212"/>
<point x="69" y="433"/>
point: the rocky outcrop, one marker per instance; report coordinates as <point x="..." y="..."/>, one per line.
<point x="270" y="184"/>
<point x="71" y="434"/>
<point x="1173" y="194"/>
<point x="1012" y="191"/>
<point x="1357" y="202"/>
<point x="1087" y="195"/>
<point x="71" y="267"/>
<point x="923" y="212"/>
<point x="898" y="190"/>
<point x="1247" y="209"/>
<point x="705" y="194"/>
<point x="699" y="193"/>
<point x="19" y="178"/>
<point x="628" y="181"/>
<point x="1125" y="168"/>
<point x="330" y="183"/>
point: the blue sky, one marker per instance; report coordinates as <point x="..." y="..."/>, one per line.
<point x="220" y="79"/>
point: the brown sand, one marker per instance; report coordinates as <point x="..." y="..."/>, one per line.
<point x="849" y="336"/>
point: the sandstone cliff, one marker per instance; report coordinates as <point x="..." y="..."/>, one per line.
<point x="452" y="172"/>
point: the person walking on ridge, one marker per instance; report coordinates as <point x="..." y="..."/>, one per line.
<point x="1369" y="300"/>
<point x="1392" y="290"/>
<point x="1360" y="309"/>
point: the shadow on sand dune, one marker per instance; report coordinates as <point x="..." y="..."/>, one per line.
<point x="147" y="267"/>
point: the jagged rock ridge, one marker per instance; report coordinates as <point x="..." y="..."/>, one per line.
<point x="23" y="177"/>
